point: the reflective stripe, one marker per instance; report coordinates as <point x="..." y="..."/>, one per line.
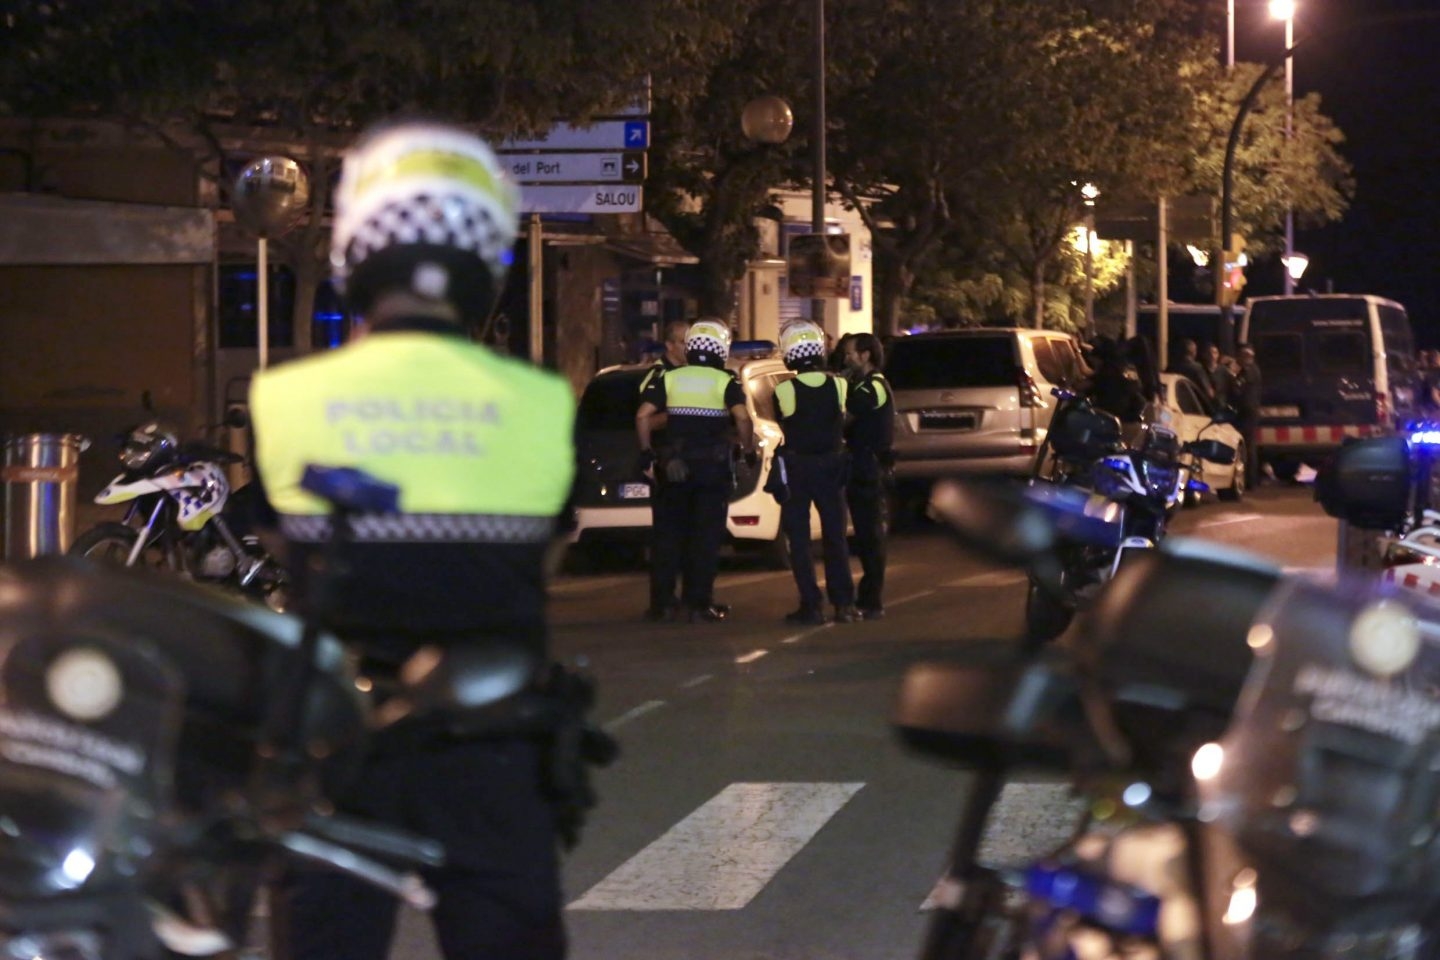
<point x="697" y="391"/>
<point x="1302" y="435"/>
<point x="698" y="412"/>
<point x="424" y="528"/>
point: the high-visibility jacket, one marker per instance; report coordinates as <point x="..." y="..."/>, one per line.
<point x="480" y="447"/>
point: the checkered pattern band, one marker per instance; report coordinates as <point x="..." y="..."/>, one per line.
<point x="803" y="349"/>
<point x="697" y="412"/>
<point x="450" y="221"/>
<point x="703" y="343"/>
<point x="424" y="528"/>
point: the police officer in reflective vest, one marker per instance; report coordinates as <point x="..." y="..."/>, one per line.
<point x="870" y="437"/>
<point x="812" y="414"/>
<point x="481" y="449"/>
<point x="694" y="473"/>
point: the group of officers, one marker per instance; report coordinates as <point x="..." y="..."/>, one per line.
<point x="693" y="425"/>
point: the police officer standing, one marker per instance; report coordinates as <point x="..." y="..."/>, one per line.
<point x="694" y="473"/>
<point x="480" y="447"/>
<point x="812" y="414"/>
<point x="663" y="602"/>
<point x="870" y="438"/>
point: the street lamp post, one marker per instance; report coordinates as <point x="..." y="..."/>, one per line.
<point x="1285" y="10"/>
<point x="1090" y="192"/>
<point x="817" y="200"/>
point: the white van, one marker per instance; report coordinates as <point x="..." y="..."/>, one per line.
<point x="1331" y="366"/>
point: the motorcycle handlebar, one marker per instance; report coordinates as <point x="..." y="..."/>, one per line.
<point x="381" y="841"/>
<point x="404" y="885"/>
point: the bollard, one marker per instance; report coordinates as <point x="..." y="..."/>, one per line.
<point x="39" y="473"/>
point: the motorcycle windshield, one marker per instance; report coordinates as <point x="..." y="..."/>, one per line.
<point x="54" y="833"/>
<point x="1328" y="777"/>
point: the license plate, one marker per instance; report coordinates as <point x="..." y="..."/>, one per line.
<point x="634" y="491"/>
<point x="1279" y="412"/>
<point x="946" y="420"/>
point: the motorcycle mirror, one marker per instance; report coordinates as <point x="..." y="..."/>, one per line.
<point x="1368" y="483"/>
<point x="1224" y="415"/>
<point x="1213" y="450"/>
<point x="237" y="417"/>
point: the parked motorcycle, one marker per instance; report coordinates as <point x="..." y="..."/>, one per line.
<point x="165" y="750"/>
<point x="182" y="517"/>
<point x="1139" y="482"/>
<point x="1261" y="769"/>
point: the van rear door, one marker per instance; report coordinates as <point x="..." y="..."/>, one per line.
<point x="1317" y="370"/>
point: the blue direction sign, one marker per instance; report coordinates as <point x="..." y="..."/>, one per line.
<point x="602" y="135"/>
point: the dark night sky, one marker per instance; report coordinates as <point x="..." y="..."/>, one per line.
<point x="1381" y="85"/>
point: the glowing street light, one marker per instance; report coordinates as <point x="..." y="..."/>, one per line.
<point x="1295" y="265"/>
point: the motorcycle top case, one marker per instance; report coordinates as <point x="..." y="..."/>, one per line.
<point x="194" y="669"/>
<point x="1080" y="432"/>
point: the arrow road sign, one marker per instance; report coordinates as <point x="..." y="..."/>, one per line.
<point x="581" y="198"/>
<point x="628" y="167"/>
<point x="602" y="135"/>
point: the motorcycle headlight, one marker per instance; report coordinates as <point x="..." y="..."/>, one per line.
<point x="52" y="833"/>
<point x="54" y="945"/>
<point x="146" y="444"/>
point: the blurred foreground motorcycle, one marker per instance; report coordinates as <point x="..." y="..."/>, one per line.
<point x="166" y="748"/>
<point x="1260" y="757"/>
<point x="182" y="518"/>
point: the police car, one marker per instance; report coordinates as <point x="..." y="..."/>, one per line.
<point x="612" y="499"/>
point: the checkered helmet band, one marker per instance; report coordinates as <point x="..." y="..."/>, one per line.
<point x="443" y="221"/>
<point x="706" y="336"/>
<point x="802" y="340"/>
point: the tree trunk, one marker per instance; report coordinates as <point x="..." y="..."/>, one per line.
<point x="1037" y="294"/>
<point x="894" y="277"/>
<point x="717" y="289"/>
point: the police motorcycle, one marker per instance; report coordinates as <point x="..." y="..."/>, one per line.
<point x="1260" y="772"/>
<point x="167" y="748"/>
<point x="1139" y="481"/>
<point x="182" y="517"/>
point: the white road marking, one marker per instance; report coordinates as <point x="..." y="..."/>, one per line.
<point x="1222" y="521"/>
<point x="1028" y="822"/>
<point x="744" y="579"/>
<point x="634" y="713"/>
<point x="797" y="637"/>
<point x="751" y="657"/>
<point x="723" y="854"/>
<point x="913" y="596"/>
<point x="696" y="681"/>
<point x="993" y="578"/>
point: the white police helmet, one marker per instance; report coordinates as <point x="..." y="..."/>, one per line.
<point x="709" y="338"/>
<point x="423" y="207"/>
<point x="800" y="341"/>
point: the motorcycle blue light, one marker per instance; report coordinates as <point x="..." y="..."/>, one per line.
<point x="1426" y="438"/>
<point x="1197" y="486"/>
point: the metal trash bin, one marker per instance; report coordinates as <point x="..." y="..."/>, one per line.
<point x="40" y="471"/>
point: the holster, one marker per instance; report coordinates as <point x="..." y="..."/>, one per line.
<point x="572" y="747"/>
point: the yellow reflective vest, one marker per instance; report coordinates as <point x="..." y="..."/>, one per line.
<point x="459" y="429"/>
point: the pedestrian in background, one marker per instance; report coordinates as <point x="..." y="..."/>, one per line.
<point x="663" y="601"/>
<point x="1247" y="409"/>
<point x="1221" y="380"/>
<point x="1186" y="363"/>
<point x="812" y="415"/>
<point x="869" y="439"/>
<point x="702" y="401"/>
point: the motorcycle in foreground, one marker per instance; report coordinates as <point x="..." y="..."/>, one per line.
<point x="1261" y="759"/>
<point x="177" y="519"/>
<point x="1138" y="483"/>
<point x="166" y="748"/>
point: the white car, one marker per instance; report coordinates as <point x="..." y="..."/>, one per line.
<point x="612" y="502"/>
<point x="1189" y="416"/>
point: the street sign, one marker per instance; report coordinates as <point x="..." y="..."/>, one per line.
<point x="601" y="135"/>
<point x="581" y="198"/>
<point x="1187" y="219"/>
<point x="627" y="167"/>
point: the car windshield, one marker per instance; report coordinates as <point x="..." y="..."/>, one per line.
<point x="610" y="402"/>
<point x="940" y="363"/>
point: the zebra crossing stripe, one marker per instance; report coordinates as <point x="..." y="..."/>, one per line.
<point x="725" y="852"/>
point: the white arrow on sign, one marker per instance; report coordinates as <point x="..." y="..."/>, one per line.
<point x="570" y="167"/>
<point x="582" y="198"/>
<point x="602" y="135"/>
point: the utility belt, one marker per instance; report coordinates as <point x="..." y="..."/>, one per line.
<point x="872" y="467"/>
<point x="677" y="460"/>
<point x="551" y="708"/>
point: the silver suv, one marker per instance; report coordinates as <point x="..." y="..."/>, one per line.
<point x="977" y="400"/>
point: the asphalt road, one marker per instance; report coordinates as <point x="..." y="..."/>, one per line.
<point x="763" y="808"/>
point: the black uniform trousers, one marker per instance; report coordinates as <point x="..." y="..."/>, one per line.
<point x="498" y="894"/>
<point x="1249" y="426"/>
<point x="819" y="479"/>
<point x="689" y="518"/>
<point x="866" y="493"/>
